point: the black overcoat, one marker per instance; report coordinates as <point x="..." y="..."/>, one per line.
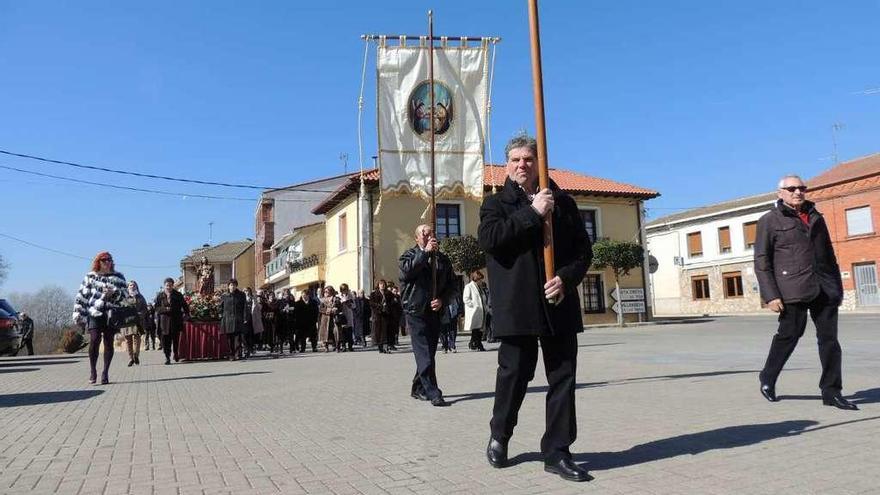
<point x="511" y="234"/>
<point x="170" y="311"/>
<point x="234" y="311"/>
<point x="794" y="261"/>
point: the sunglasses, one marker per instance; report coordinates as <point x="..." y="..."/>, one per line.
<point x="792" y="189"/>
<point x="108" y="260"/>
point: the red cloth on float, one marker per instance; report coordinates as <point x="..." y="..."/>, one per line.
<point x="203" y="340"/>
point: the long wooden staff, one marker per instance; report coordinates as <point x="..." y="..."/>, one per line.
<point x="433" y="145"/>
<point x="540" y="133"/>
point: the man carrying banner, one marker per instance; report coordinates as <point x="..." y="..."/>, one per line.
<point x="511" y="234"/>
<point x="423" y="308"/>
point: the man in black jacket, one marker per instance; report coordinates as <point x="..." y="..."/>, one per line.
<point x="27" y="333"/>
<point x="422" y="307"/>
<point x="798" y="272"/>
<point x="511" y="233"/>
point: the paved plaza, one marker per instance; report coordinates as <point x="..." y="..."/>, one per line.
<point x="662" y="409"/>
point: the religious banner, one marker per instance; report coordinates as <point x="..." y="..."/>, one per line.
<point x="460" y="114"/>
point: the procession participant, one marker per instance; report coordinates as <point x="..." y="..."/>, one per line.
<point x="328" y="308"/>
<point x="27" y="333"/>
<point x="475" y="311"/>
<point x="798" y="273"/>
<point x="171" y="309"/>
<point x="511" y="233"/>
<point x="102" y="289"/>
<point x="306" y="321"/>
<point x="133" y="333"/>
<point x="422" y="306"/>
<point x="234" y="311"/>
<point x="380" y="316"/>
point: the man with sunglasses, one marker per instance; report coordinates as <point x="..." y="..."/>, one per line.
<point x="798" y="273"/>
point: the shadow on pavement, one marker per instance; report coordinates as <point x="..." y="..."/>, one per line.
<point x="869" y="396"/>
<point x="8" y="364"/>
<point x="17" y="370"/>
<point x="693" y="443"/>
<point x="52" y="357"/>
<point x="543" y="388"/>
<point x="34" y="398"/>
<point x="196" y="377"/>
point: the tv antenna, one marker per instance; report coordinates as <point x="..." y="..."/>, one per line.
<point x="835" y="128"/>
<point x="343" y="157"/>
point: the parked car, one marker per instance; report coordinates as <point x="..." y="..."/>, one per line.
<point x="10" y="338"/>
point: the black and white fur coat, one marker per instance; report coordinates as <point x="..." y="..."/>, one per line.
<point x="90" y="300"/>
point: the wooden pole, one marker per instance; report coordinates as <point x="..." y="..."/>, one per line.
<point x="540" y="133"/>
<point x="433" y="177"/>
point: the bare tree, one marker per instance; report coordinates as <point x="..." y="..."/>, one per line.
<point x="4" y="269"/>
<point x="50" y="307"/>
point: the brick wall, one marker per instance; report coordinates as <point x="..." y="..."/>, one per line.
<point x="717" y="303"/>
<point x="852" y="250"/>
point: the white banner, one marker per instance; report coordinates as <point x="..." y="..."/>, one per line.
<point x="460" y="101"/>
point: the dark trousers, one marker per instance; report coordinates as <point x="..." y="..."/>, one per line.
<point x="233" y="341"/>
<point x="517" y="358"/>
<point x="476" y="342"/>
<point x="150" y="339"/>
<point x="171" y="342"/>
<point x="424" y="333"/>
<point x="29" y="345"/>
<point x="792" y="323"/>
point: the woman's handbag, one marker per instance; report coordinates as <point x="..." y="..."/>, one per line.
<point x="124" y="316"/>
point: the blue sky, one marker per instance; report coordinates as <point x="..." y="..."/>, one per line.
<point x="701" y="101"/>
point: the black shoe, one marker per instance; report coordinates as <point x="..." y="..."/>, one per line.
<point x="839" y="402"/>
<point x="176" y="359"/>
<point x="439" y="402"/>
<point x="567" y="470"/>
<point x="167" y="361"/>
<point x="137" y="361"/>
<point x="419" y="395"/>
<point x="496" y="453"/>
<point x="130" y="363"/>
<point x="769" y="392"/>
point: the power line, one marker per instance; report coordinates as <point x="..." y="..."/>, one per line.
<point x="138" y="189"/>
<point x="65" y="253"/>
<point x="151" y="176"/>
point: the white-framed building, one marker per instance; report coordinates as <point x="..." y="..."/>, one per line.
<point x="705" y="258"/>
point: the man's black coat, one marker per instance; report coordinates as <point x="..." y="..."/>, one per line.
<point x="511" y="234"/>
<point x="416" y="280"/>
<point x="793" y="262"/>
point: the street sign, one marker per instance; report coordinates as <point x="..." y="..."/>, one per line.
<point x="634" y="294"/>
<point x="629" y="307"/>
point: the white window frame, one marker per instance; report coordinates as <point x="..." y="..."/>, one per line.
<point x="341" y="232"/>
<point x="598" y="212"/>
<point x="461" y="213"/>
<point x="867" y="210"/>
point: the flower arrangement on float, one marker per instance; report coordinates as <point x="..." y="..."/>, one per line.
<point x="203" y="308"/>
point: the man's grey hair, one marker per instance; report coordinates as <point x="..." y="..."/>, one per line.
<point x="521" y="141"/>
<point x="789" y="176"/>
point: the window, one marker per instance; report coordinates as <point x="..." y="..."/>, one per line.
<point x="343" y="232"/>
<point x="589" y="218"/>
<point x="724" y="240"/>
<point x="858" y="221"/>
<point x="700" y="286"/>
<point x="448" y="220"/>
<point x="733" y="284"/>
<point x="594" y="300"/>
<point x="750" y="230"/>
<point x="695" y="244"/>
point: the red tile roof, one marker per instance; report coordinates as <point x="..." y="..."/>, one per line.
<point x="494" y="175"/>
<point x="847" y="171"/>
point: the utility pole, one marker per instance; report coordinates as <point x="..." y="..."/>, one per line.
<point x="835" y="128"/>
<point x="343" y="157"/>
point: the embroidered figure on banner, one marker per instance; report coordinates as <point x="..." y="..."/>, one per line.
<point x="420" y="109"/>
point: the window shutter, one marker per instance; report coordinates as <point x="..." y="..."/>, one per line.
<point x="724" y="239"/>
<point x="858" y="221"/>
<point x="695" y="243"/>
<point x="749" y="233"/>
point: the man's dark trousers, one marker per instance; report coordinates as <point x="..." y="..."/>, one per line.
<point x="424" y="334"/>
<point x="792" y="322"/>
<point x="29" y="344"/>
<point x="170" y="343"/>
<point x="517" y="358"/>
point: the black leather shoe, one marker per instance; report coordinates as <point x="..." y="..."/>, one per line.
<point x="567" y="470"/>
<point x="496" y="453"/>
<point x="839" y="402"/>
<point x="419" y="396"/>
<point x="769" y="392"/>
<point x="439" y="402"/>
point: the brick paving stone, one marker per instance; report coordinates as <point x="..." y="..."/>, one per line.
<point x="666" y="409"/>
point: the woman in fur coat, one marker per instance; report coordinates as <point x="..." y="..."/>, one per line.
<point x="102" y="289"/>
